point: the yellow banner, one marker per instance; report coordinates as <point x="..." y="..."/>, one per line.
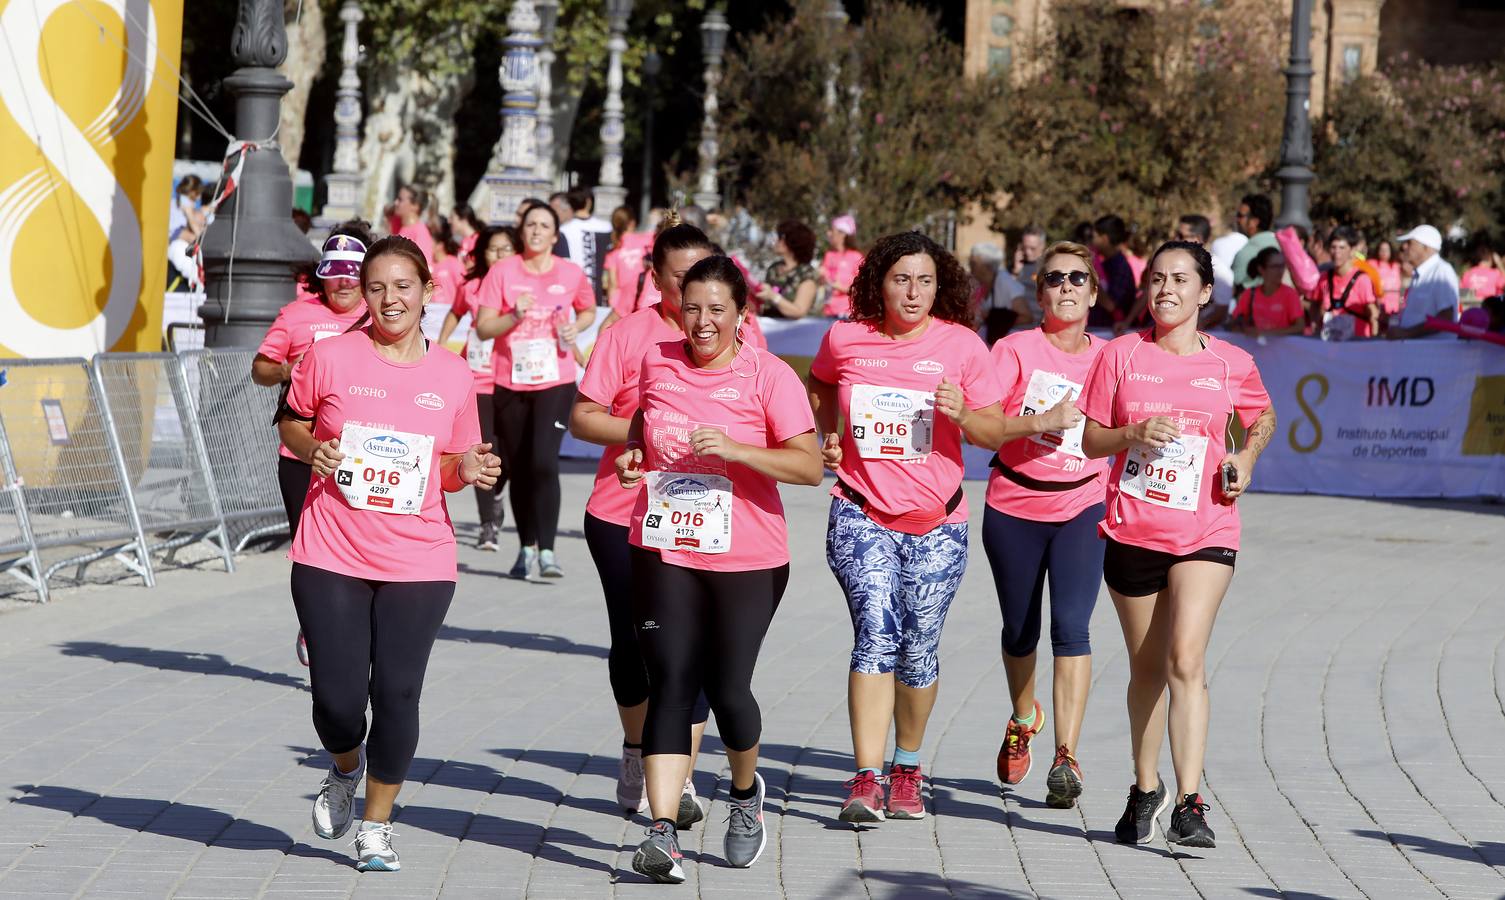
<point x="88" y="120"/>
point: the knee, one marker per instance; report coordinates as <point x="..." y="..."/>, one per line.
<point x="919" y="666"/>
<point x="1019" y="639"/>
<point x="1186" y="665"/>
<point x="874" y="652"/>
<point x="1070" y="639"/>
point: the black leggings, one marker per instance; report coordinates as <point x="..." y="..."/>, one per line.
<point x="488" y="503"/>
<point x="1025" y="554"/>
<point x="701" y="630"/>
<point x="369" y="641"/>
<point x="531" y="426"/>
<point x="624" y="664"/>
<point x="293" y="476"/>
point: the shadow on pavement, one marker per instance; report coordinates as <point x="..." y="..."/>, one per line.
<point x="925" y="884"/>
<point x="178" y="661"/>
<point x="521" y="640"/>
<point x="538" y="841"/>
<point x="1490" y="853"/>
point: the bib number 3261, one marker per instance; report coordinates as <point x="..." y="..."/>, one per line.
<point x="688" y="512"/>
<point x="892" y="423"/>
<point x="1169" y="477"/>
<point x="384" y="470"/>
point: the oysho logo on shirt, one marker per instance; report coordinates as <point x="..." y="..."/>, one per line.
<point x="871" y="363"/>
<point x="669" y="386"/>
<point x="360" y="390"/>
<point x="429" y="400"/>
<point x="1207" y="384"/>
<point x="1139" y="376"/>
<point x="929" y="367"/>
<point x="726" y="393"/>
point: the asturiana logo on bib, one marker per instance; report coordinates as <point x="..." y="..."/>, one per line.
<point x="386" y="445"/>
<point x="892" y="402"/>
<point x="429" y="400"/>
<point x="1172" y="450"/>
<point x="726" y="394"/>
<point x="1140" y="376"/>
<point x="685" y="489"/>
<point x="929" y="367"/>
<point x="1207" y="384"/>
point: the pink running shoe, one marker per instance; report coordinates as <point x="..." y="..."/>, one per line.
<point x="864" y="804"/>
<point x="904" y="788"/>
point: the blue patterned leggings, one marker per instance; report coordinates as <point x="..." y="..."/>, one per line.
<point x="899" y="588"/>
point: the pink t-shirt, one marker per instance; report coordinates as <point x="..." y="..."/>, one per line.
<point x="625" y="262"/>
<point x="1390" y="279"/>
<point x="448" y="273"/>
<point x="468" y="244"/>
<point x="1026" y="359"/>
<point x="300" y="325"/>
<point x="419" y="234"/>
<point x="346" y="380"/>
<point x="1133" y="379"/>
<point x="1137" y="265"/>
<point x="897" y="375"/>
<point x="465" y="302"/>
<point x="757" y="400"/>
<point x="555" y="293"/>
<point x="612" y="379"/>
<point x="1484" y="281"/>
<point x="1329" y="292"/>
<point x="1274" y="311"/>
<point x="840" y="268"/>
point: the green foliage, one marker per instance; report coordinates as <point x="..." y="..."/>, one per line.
<point x="1414" y="143"/>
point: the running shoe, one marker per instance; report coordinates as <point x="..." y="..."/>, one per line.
<point x="658" y="857"/>
<point x="548" y="567"/>
<point x="690" y="808"/>
<point x="301" y="648"/>
<point x="373" y="847"/>
<point x="745" y="836"/>
<point x="1014" y="760"/>
<point x="904" y="789"/>
<point x="526" y="557"/>
<point x="487" y="540"/>
<point x="864" y="804"/>
<point x="1064" y="783"/>
<point x="630" y="795"/>
<point x="1140" y="814"/>
<point x="1189" y="824"/>
<point x="334" y="807"/>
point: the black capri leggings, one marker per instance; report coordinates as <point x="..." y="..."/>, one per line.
<point x="624" y="664"/>
<point x="701" y="630"/>
<point x="293" y="476"/>
<point x="369" y="641"/>
<point x="488" y="503"/>
<point x="1024" y="554"/>
<point x="530" y="426"/>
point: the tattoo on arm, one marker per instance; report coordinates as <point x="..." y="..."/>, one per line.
<point x="1261" y="431"/>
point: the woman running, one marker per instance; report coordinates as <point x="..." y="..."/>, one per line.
<point x="1045" y="499"/>
<point x="1162" y="402"/>
<point x="388" y="425"/>
<point x="612" y="376"/>
<point x="839" y="266"/>
<point x="335" y="307"/>
<point x="408" y="210"/>
<point x="720" y="424"/>
<point x="526" y="305"/>
<point x="894" y="389"/>
<point x="497" y="244"/>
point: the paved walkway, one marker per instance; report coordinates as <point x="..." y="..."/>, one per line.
<point x="157" y="743"/>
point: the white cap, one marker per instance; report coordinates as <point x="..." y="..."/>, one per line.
<point x="1425" y="235"/>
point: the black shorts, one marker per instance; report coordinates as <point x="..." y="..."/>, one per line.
<point x="1137" y="572"/>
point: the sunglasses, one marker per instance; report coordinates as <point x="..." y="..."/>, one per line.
<point x="1055" y="279"/>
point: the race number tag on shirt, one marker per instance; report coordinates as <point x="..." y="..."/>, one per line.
<point x="478" y="352"/>
<point x="534" y="360"/>
<point x="1045" y="390"/>
<point x="1170" y="476"/>
<point x="892" y="423"/>
<point x="688" y="512"/>
<point x="383" y="469"/>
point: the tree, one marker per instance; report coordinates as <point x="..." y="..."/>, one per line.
<point x="306" y="49"/>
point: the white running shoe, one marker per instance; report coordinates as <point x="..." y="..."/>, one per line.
<point x="373" y="846"/>
<point x="334" y="807"/>
<point x="630" y="788"/>
<point x="691" y="807"/>
<point x="301" y="648"/>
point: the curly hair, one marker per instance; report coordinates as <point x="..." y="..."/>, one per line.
<point x="798" y="237"/>
<point x="952" y="284"/>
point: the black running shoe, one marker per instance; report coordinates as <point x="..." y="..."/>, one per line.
<point x="1138" y="823"/>
<point x="1189" y="824"/>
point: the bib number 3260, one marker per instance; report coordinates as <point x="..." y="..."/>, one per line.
<point x="688" y="512"/>
<point x="1169" y="477"/>
<point x="384" y="470"/>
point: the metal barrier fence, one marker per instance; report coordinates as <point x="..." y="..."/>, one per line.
<point x="130" y="455"/>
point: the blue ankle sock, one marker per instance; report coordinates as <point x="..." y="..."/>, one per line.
<point x="874" y="771"/>
<point x="904" y="757"/>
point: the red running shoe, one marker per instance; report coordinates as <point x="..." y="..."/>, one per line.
<point x="1013" y="757"/>
<point x="864" y="799"/>
<point x="904" y="786"/>
<point x="1064" y="783"/>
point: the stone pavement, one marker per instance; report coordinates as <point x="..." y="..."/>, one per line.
<point x="157" y="743"/>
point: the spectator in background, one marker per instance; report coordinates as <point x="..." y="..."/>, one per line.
<point x="788" y="290"/>
<point x="1109" y="235"/>
<point x="407" y="212"/>
<point x="1196" y="229"/>
<point x="1389" y="267"/>
<point x="1434" y="287"/>
<point x="185" y="219"/>
<point x="1483" y="278"/>
<point x="1255" y="218"/>
<point x="1136" y="251"/>
<point x="302" y="220"/>
<point x="1226" y="247"/>
<point x="839" y="266"/>
<point x="1270" y="307"/>
<point x="1346" y="288"/>
<point x="586" y="235"/>
<point x="448" y="269"/>
<point x="1027" y="258"/>
<point x="626" y="262"/>
<point x="465" y="225"/>
<point x="996" y="291"/>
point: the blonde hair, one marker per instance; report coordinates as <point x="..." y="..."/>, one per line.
<point x="1065" y="248"/>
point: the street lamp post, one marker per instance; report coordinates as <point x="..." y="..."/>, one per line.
<point x="712" y="45"/>
<point x="343" y="186"/>
<point x="652" y="65"/>
<point x="250" y="250"/>
<point x="548" y="16"/>
<point x="610" y="192"/>
<point x="512" y="176"/>
<point x="1295" y="172"/>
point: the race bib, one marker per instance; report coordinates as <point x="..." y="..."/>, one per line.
<point x="384" y="470"/>
<point x="478" y="352"/>
<point x="534" y="360"/>
<point x="891" y="423"/>
<point x="1044" y="391"/>
<point x="1169" y="477"/>
<point x="688" y="512"/>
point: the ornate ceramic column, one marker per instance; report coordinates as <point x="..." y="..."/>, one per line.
<point x="712" y="46"/>
<point x="610" y="192"/>
<point x="343" y="186"/>
<point x="512" y="176"/>
<point x="548" y="16"/>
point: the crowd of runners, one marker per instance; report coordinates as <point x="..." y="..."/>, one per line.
<point x="1117" y="461"/>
